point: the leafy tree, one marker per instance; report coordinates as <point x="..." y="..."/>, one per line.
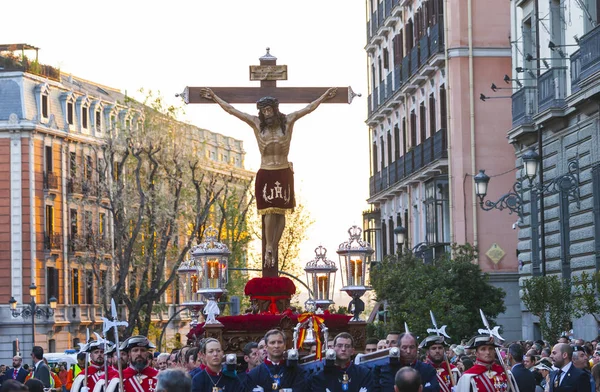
<point x="549" y="298"/>
<point x="158" y="194"/>
<point x="454" y="289"/>
<point x="585" y="294"/>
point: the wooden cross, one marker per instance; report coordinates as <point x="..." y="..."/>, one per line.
<point x="268" y="72"/>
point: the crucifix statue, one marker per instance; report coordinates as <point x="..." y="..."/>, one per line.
<point x="274" y="184"/>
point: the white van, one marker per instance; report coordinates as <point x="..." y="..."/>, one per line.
<point x="69" y="357"/>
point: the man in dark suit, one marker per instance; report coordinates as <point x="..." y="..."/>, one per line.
<point x="40" y="370"/>
<point x="567" y="378"/>
<point x="16" y="372"/>
<point x="525" y="379"/>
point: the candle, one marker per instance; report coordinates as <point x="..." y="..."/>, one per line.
<point x="356" y="272"/>
<point x="323" y="287"/>
<point x="213" y="274"/>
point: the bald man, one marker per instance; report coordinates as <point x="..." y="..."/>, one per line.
<point x="567" y="378"/>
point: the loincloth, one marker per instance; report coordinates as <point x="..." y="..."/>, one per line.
<point x="275" y="191"/>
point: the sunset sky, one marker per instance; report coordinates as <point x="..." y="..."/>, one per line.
<point x="165" y="46"/>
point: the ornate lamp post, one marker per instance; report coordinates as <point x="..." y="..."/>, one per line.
<point x="320" y="275"/>
<point x="400" y="233"/>
<point x="212" y="259"/>
<point x="566" y="185"/>
<point x="188" y="288"/>
<point x="355" y="255"/>
<point x="32" y="310"/>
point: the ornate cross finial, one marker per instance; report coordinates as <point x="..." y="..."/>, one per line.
<point x="268" y="55"/>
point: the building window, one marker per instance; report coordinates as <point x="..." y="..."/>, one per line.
<point x="102" y="225"/>
<point x="413" y="128"/>
<point x="374" y="148"/>
<point x="44" y="106"/>
<point x="73" y="164"/>
<point x="89" y="287"/>
<point x="49" y="221"/>
<point x="389" y="148"/>
<point x="98" y="121"/>
<point x="422" y="122"/>
<point x="384" y="237"/>
<point x="382" y="151"/>
<point x="88" y="167"/>
<point x="49" y="160"/>
<point x="84" y="117"/>
<point x="386" y="59"/>
<point x="75" y="286"/>
<point x="73" y="230"/>
<point x="443" y="112"/>
<point x="437" y="211"/>
<point x="396" y="142"/>
<point x="70" y="113"/>
<point x="51" y="283"/>
<point x="432" y="124"/>
<point x="51" y="346"/>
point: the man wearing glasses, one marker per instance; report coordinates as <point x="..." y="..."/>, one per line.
<point x="345" y="376"/>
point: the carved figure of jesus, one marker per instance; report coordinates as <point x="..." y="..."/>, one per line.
<point x="274" y="185"/>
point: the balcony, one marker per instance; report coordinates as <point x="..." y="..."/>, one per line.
<point x="436" y="39"/>
<point x="414" y="60"/>
<point x="590" y="53"/>
<point x="552" y="89"/>
<point x="397" y="77"/>
<point x="432" y="149"/>
<point x="50" y="181"/>
<point x="375" y="98"/>
<point x="389" y="84"/>
<point x="424" y="49"/>
<point x="74" y="186"/>
<point x="382" y="93"/>
<point x="370" y="103"/>
<point x="523" y="105"/>
<point x="52" y="241"/>
<point x="575" y="71"/>
<point x="406" y="68"/>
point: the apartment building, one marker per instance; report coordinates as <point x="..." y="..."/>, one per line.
<point x="428" y="63"/>
<point x="54" y="209"/>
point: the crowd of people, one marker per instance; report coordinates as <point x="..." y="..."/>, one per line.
<point x="397" y="364"/>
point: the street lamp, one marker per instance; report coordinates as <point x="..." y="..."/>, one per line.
<point x="212" y="259"/>
<point x="567" y="185"/>
<point x="400" y="233"/>
<point x="355" y="255"/>
<point x="32" y="309"/>
<point x="188" y="288"/>
<point x="320" y="275"/>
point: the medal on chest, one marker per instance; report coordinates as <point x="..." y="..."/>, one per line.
<point x="345" y="381"/>
<point x="151" y="385"/>
<point x="216" y="389"/>
<point x="276" y="382"/>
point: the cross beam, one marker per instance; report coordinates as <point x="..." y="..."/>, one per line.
<point x="283" y="94"/>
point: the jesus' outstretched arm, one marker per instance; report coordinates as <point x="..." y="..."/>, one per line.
<point x="330" y="93"/>
<point x="249" y="119"/>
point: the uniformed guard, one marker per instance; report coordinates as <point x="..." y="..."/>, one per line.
<point x="435" y="349"/>
<point x="139" y="376"/>
<point x="96" y="377"/>
<point x="485" y="375"/>
<point x="214" y="378"/>
<point x="344" y="375"/>
<point x="274" y="374"/>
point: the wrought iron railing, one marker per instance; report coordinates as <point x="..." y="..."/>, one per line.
<point x="382" y="92"/>
<point x="590" y="52"/>
<point x="397" y="77"/>
<point x="424" y="49"/>
<point x="436" y="39"/>
<point x="375" y="98"/>
<point x="575" y="71"/>
<point x="52" y="241"/>
<point x="414" y="60"/>
<point x="552" y="89"/>
<point x="406" y="68"/>
<point x="433" y="148"/>
<point x="523" y="105"/>
<point x="50" y="181"/>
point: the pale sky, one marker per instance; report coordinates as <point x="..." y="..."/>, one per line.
<point x="165" y="46"/>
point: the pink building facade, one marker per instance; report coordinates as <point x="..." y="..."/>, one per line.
<point x="429" y="61"/>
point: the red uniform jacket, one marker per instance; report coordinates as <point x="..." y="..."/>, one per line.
<point x="144" y="381"/>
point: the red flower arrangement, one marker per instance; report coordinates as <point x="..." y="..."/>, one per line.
<point x="270" y="286"/>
